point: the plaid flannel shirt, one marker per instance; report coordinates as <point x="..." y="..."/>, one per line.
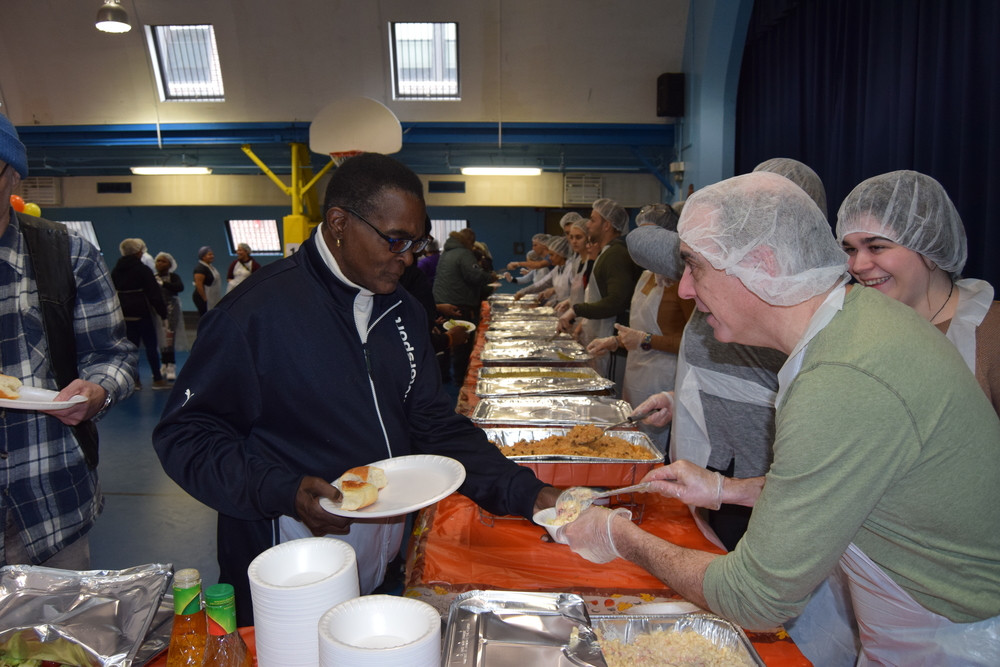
<point x="54" y="496"/>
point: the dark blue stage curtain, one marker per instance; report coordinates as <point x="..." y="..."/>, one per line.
<point x="856" y="88"/>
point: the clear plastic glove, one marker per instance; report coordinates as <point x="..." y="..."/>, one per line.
<point x="518" y="295"/>
<point x="601" y="346"/>
<point x="525" y="271"/>
<point x="630" y="338"/>
<point x="662" y="406"/>
<point x="562" y="306"/>
<point x="566" y="320"/>
<point x="689" y="483"/>
<point x="507" y="276"/>
<point x="577" y="332"/>
<point x="590" y="535"/>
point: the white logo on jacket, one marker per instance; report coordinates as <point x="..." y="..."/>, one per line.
<point x="409" y="354"/>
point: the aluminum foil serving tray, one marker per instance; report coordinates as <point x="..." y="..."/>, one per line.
<point x="506" y="437"/>
<point x="721" y="632"/>
<point x="551" y="410"/>
<point x="530" y="351"/>
<point x="531" y="380"/>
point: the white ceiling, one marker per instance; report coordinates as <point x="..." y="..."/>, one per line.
<point x="569" y="62"/>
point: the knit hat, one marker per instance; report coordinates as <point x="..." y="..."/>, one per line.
<point x="558" y="245"/>
<point x="204" y="250"/>
<point x="12" y="151"/>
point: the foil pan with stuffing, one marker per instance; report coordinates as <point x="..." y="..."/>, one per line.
<point x="506" y="437"/>
<point x="720" y="632"/>
<point x="551" y="410"/>
<point x="524" y="380"/>
<point x="93" y="618"/>
<point x="518" y="629"/>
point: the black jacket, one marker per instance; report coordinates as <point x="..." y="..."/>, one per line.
<point x="137" y="289"/>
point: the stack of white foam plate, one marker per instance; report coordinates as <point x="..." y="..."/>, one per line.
<point x="293" y="584"/>
<point x="382" y="631"/>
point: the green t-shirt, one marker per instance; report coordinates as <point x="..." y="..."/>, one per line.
<point x="886" y="440"/>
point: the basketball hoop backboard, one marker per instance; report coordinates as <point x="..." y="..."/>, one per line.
<point x="355" y="124"/>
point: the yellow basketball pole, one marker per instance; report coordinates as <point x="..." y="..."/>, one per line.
<point x="297" y="226"/>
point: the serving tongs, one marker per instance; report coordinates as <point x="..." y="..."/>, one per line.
<point x="628" y="420"/>
<point x="576" y="499"/>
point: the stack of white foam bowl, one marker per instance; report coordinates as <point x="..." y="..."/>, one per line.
<point x="292" y="585"/>
<point x="381" y="631"/>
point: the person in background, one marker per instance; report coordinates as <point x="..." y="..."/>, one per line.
<point x="52" y="496"/>
<point x="241" y="267"/>
<point x="428" y="263"/>
<point x="609" y="291"/>
<point x="904" y="237"/>
<point x="335" y="370"/>
<point x="884" y="454"/>
<point x="173" y="334"/>
<point x="535" y="265"/>
<point x="207" y="282"/>
<point x="555" y="285"/>
<point x="656" y="321"/>
<point x="581" y="263"/>
<point x="147" y="259"/>
<point x="140" y="297"/>
<point x="460" y="281"/>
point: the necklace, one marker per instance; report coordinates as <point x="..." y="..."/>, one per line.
<point x="945" y="302"/>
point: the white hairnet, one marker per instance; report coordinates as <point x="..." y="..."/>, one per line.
<point x="613" y="213"/>
<point x="581" y="224"/>
<point x="800" y="174"/>
<point x="766" y="231"/>
<point x="569" y="219"/>
<point x="558" y="245"/>
<point x="540" y="238"/>
<point x="661" y="215"/>
<point x="910" y="209"/>
<point x="170" y="258"/>
<point x="130" y="246"/>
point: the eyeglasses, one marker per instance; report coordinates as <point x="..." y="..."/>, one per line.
<point x="397" y="246"/>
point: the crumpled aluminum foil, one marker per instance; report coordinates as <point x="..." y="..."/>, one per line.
<point x="93" y="618"/>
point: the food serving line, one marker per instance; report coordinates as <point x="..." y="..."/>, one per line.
<point x="458" y="550"/>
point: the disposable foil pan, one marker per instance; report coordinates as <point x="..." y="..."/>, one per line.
<point x="722" y="633"/>
<point x="565" y="471"/>
<point x="537" y="325"/>
<point x="523" y="309"/>
<point x="533" y="351"/>
<point x="525" y="380"/>
<point x="527" y="333"/>
<point x="516" y="629"/>
<point x="551" y="410"/>
<point x="93" y="618"/>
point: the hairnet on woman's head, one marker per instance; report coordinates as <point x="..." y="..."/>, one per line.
<point x="800" y="174"/>
<point x="558" y="245"/>
<point x="911" y="209"/>
<point x="613" y="213"/>
<point x="170" y="259"/>
<point x="540" y="238"/>
<point x="661" y="215"/>
<point x="569" y="219"/>
<point x="581" y="224"/>
<point x="204" y="250"/>
<point x="766" y="231"/>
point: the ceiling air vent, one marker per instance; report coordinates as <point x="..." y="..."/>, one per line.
<point x="581" y="189"/>
<point x="42" y="190"/>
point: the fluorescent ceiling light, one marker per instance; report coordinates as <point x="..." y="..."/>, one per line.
<point x="166" y="171"/>
<point x="112" y="18"/>
<point x="501" y="171"/>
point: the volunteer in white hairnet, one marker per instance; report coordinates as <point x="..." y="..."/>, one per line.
<point x="555" y="284"/>
<point x="657" y="317"/>
<point x="535" y="265"/>
<point x="884" y="455"/>
<point x="905" y="238"/>
<point x="612" y="280"/>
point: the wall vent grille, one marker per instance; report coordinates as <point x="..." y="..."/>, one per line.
<point x="582" y="189"/>
<point x="42" y="190"/>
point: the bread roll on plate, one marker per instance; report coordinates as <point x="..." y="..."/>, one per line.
<point x="369" y="474"/>
<point x="357" y="494"/>
<point x="9" y="387"/>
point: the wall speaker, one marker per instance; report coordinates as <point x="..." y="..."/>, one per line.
<point x="670" y="95"/>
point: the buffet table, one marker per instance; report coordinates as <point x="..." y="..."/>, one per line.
<point x="457" y="547"/>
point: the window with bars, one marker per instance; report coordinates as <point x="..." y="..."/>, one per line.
<point x="261" y="235"/>
<point x="424" y="59"/>
<point x="186" y="63"/>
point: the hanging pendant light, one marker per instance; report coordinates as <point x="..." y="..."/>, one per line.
<point x="112" y="18"/>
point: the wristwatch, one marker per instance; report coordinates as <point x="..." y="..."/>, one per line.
<point x="647" y="342"/>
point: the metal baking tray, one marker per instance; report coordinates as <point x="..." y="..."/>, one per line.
<point x="521" y="324"/>
<point x="516" y="629"/>
<point x="521" y="310"/>
<point x="524" y="380"/>
<point x="506" y="437"/>
<point x="551" y="410"/>
<point x="547" y="333"/>
<point x="722" y="633"/>
<point x="521" y="351"/>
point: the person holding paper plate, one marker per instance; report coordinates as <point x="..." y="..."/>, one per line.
<point x="70" y="364"/>
<point x="334" y="369"/>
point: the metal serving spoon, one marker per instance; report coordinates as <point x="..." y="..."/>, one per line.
<point x="575" y="500"/>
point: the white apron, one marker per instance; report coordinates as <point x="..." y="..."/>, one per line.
<point x="648" y="371"/>
<point x="240" y="273"/>
<point x="974" y="300"/>
<point x="577" y="290"/>
<point x="593" y="329"/>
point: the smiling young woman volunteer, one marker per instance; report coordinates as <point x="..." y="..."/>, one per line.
<point x="905" y="238"/>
